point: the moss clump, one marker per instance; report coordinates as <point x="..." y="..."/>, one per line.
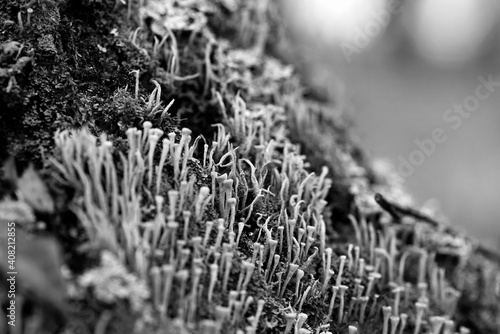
<point x="243" y="206"/>
<point x="72" y="57"/>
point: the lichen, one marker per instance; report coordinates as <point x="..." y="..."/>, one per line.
<point x="110" y="282"/>
<point x="229" y="199"/>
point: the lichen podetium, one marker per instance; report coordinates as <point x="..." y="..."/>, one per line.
<point x="198" y="186"/>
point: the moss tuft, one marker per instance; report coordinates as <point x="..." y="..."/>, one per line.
<point x="199" y="187"/>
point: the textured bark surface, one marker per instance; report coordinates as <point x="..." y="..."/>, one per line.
<point x="77" y="76"/>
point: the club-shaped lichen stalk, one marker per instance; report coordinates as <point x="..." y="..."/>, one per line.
<point x="290" y="320"/>
<point x="226" y="193"/>
<point x="220" y="232"/>
<point x="213" y="279"/>
<point x="280" y="232"/>
<point x="208" y="229"/>
<point x="199" y="203"/>
<point x="464" y="330"/>
<point x="452" y="297"/>
<point x="241" y="226"/>
<point x="173" y="195"/>
<point x="394" y="320"/>
<point x="205" y="155"/>
<point x="397" y="297"/>
<point x="260" y="308"/>
<point x="208" y="327"/>
<point x="352" y="305"/>
<point x="290" y="223"/>
<point x="422" y="288"/>
<point x="401" y="267"/>
<point x="255" y="252"/>
<point x="420" y="308"/>
<point x="159" y="220"/>
<point x="309" y="262"/>
<point x="156" y="283"/>
<point x="380" y="252"/>
<point x="352" y="329"/>
<point x="233" y="296"/>
<point x="322" y="233"/>
<point x="386" y="313"/>
<point x="231" y="237"/>
<point x="214" y="176"/>
<point x="373" y="307"/>
<point x="232" y="213"/>
<point x="362" y="309"/>
<point x="328" y="276"/>
<point x="248" y="302"/>
<point x="436" y="323"/>
<point x="433" y="279"/>
<point x="168" y="272"/>
<point x="335" y="290"/>
<point x="342" y="291"/>
<point x="183" y="145"/>
<point x="154" y="136"/>
<point x="304" y="297"/>
<point x="356" y="258"/>
<point x="145" y="135"/>
<point x="327" y="260"/>
<point x="442" y="285"/>
<point x="272" y="251"/>
<point x="238" y="305"/>
<point x="131" y="136"/>
<point x="183" y="258"/>
<point x="173" y="145"/>
<point x="228" y="258"/>
<point x="371" y="282"/>
<point x="197" y="248"/>
<point x="172" y="227"/>
<point x="361" y="268"/>
<point x="136" y="73"/>
<point x="275" y="264"/>
<point x="301" y="319"/>
<point x="372" y="237"/>
<point x="300" y="274"/>
<point x="407" y="289"/>
<point x="341" y="270"/>
<point x="186" y="215"/>
<point x="163" y="158"/>
<point x="422" y="266"/>
<point x="249" y="271"/>
<point x="183" y="192"/>
<point x="221" y="315"/>
<point x="222" y="192"/>
<point x="261" y="259"/>
<point x="195" y="281"/>
<point x="301" y="233"/>
<point x="350" y="259"/>
<point x="357" y="285"/>
<point x="304" y="247"/>
<point x="182" y="276"/>
<point x="28" y="19"/>
<point x="292" y="268"/>
<point x="310" y="239"/>
<point x="449" y="325"/>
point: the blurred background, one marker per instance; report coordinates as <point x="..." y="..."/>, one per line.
<point x="402" y="66"/>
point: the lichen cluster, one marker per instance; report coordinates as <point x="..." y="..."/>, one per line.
<point x="229" y="200"/>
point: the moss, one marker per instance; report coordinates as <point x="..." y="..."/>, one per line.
<point x="110" y="283"/>
<point x="134" y="182"/>
<point x="77" y="61"/>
